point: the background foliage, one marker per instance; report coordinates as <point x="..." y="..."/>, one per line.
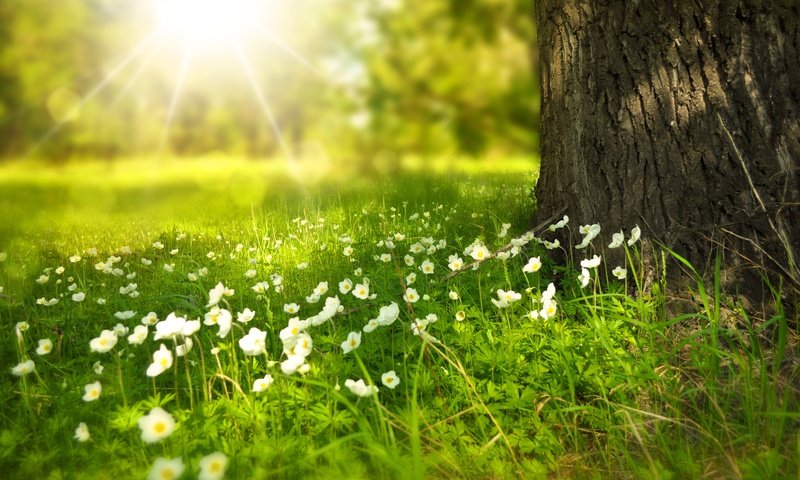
<point x="382" y="78"/>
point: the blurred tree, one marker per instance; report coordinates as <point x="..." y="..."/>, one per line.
<point x="682" y="117"/>
<point x="364" y="77"/>
<point x="449" y="74"/>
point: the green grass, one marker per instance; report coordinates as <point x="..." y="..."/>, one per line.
<point x="618" y="383"/>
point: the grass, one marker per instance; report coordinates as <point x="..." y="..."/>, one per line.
<point x="617" y="383"/>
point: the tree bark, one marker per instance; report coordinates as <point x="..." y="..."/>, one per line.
<point x="681" y="117"/>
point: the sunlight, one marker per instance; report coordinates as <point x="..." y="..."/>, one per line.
<point x="206" y="22"/>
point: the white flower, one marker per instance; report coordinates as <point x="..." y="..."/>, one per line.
<point x="251" y="273"/>
<point x="165" y="469"/>
<point x="299" y="345"/>
<point x="293" y="329"/>
<point x="261" y="384"/>
<point x="45" y="346"/>
<point x="82" y="433"/>
<point x="120" y="330"/>
<point x="409" y="260"/>
<point x="150" y="319"/>
<point x="360" y="389"/>
<point x="353" y="341"/>
<point x="455" y="262"/>
<point x="156" y="425"/>
<point x="169" y="267"/>
<point x="426" y="267"/>
<point x="313" y="298"/>
<point x="388" y="314"/>
<point x="549" y="308"/>
<point x="23" y="368"/>
<point x="98" y="367"/>
<point x="453" y="295"/>
<point x="584" y="277"/>
<point x="636" y="232"/>
<point x="509" y="296"/>
<point x="590" y="232"/>
<point x="184" y="348"/>
<point x="138" y="336"/>
<point x="500" y="302"/>
<point x="593" y="262"/>
<point x="78" y="297"/>
<point x="560" y="224"/>
<point x="302" y="265"/>
<point x="215" y="295"/>
<point x="220" y="317"/>
<point x="321" y="288"/>
<point x="93" y="391"/>
<point x="254" y="343"/>
<point x="460" y="316"/>
<point x="480" y="253"/>
<point x="411" y="278"/>
<point x="361" y="291"/>
<point x="533" y="265"/>
<point x="42" y="279"/>
<point x="162" y="360"/>
<point x="410" y="295"/>
<point x="332" y="306"/>
<point x="347" y="251"/>
<point x="260" y="287"/>
<point x="126" y="315"/>
<point x="619" y="272"/>
<point x="505" y="298"/>
<point x="389" y="379"/>
<point x="345" y="286"/>
<point x="292" y="364"/>
<point x="617" y="239"/>
<point x="385" y="257"/>
<point x="371" y="326"/>
<point x="245" y="315"/>
<point x="212" y="466"/>
<point x="104" y="342"/>
<point x="170" y="327"/>
<point x="549" y="292"/>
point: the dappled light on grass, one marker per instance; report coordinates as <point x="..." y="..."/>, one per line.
<point x="395" y="326"/>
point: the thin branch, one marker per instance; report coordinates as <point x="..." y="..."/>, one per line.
<point x="508" y="246"/>
<point x="779" y="230"/>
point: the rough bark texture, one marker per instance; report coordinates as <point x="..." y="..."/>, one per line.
<point x="681" y="117"/>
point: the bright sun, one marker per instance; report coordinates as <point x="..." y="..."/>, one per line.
<point x="207" y="22"/>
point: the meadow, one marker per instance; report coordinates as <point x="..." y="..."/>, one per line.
<point x="223" y="317"/>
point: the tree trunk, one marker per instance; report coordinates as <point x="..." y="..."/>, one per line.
<point x="681" y="117"/>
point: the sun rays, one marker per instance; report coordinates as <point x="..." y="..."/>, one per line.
<point x="199" y="30"/>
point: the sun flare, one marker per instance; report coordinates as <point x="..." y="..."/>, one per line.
<point x="207" y="22"/>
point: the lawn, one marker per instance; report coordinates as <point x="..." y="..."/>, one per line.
<point x="185" y="318"/>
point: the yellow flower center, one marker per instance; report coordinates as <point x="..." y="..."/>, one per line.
<point x="215" y="467"/>
<point x="160" y="427"/>
<point x="167" y="474"/>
